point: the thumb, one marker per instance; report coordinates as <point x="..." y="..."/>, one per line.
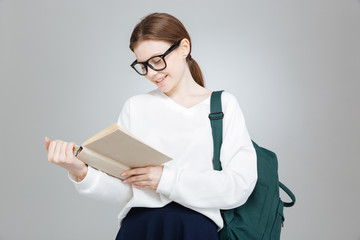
<point x="47" y="143"/>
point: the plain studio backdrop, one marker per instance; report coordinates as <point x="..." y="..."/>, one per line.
<point x="294" y="66"/>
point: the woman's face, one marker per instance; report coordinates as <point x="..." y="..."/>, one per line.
<point x="169" y="78"/>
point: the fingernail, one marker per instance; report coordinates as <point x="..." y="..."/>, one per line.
<point x="126" y="181"/>
<point x="124" y="174"/>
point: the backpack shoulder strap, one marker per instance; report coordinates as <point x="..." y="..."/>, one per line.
<point x="216" y="119"/>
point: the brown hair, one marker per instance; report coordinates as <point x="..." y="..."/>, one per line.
<point x="164" y="27"/>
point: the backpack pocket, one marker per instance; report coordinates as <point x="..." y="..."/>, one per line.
<point x="279" y="219"/>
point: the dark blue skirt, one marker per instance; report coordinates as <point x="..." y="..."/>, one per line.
<point x="171" y="222"/>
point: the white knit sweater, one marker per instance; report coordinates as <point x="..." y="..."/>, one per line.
<point x="185" y="135"/>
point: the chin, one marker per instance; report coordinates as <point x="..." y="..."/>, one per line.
<point x="164" y="89"/>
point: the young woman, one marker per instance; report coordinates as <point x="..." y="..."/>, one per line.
<point x="181" y="199"/>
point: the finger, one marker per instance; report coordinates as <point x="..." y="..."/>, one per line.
<point x="69" y="150"/>
<point x="51" y="151"/>
<point x="47" y="143"/>
<point x="134" y="171"/>
<point x="57" y="151"/>
<point x="136" y="178"/>
<point x="142" y="184"/>
<point x="62" y="152"/>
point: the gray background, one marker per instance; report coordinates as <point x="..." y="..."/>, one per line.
<point x="293" y="65"/>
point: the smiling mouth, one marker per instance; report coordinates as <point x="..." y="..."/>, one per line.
<point x="160" y="80"/>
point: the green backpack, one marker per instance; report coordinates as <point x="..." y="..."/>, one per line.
<point x="261" y="217"/>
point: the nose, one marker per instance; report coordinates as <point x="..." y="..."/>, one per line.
<point x="151" y="73"/>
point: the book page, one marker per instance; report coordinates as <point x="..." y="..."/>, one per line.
<point x="101" y="134"/>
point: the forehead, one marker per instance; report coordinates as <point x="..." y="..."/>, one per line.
<point x="149" y="48"/>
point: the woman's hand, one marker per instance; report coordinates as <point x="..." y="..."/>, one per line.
<point x="146" y="177"/>
<point x="61" y="153"/>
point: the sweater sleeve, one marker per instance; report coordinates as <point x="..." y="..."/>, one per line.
<point x="101" y="186"/>
<point x="224" y="189"/>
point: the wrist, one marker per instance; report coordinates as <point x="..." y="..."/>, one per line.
<point x="79" y="175"/>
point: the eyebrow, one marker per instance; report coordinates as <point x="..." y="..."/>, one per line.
<point x="155" y="54"/>
<point x="159" y="54"/>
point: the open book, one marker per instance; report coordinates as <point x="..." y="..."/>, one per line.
<point x="114" y="150"/>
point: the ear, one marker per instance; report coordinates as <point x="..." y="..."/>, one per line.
<point x="185" y="47"/>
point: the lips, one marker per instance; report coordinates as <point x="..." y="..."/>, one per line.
<point x="158" y="81"/>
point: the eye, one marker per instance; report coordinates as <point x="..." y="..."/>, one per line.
<point x="155" y="61"/>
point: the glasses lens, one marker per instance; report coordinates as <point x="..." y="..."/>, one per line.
<point x="140" y="68"/>
<point x="157" y="63"/>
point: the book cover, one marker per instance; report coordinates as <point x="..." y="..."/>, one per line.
<point x="114" y="150"/>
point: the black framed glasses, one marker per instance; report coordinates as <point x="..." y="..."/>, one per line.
<point x="156" y="63"/>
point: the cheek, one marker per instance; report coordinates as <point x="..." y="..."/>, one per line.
<point x="176" y="68"/>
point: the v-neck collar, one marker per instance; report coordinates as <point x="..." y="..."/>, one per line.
<point x="181" y="107"/>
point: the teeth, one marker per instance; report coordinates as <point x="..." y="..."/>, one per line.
<point x="160" y="80"/>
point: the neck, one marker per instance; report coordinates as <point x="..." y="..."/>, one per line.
<point x="186" y="87"/>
